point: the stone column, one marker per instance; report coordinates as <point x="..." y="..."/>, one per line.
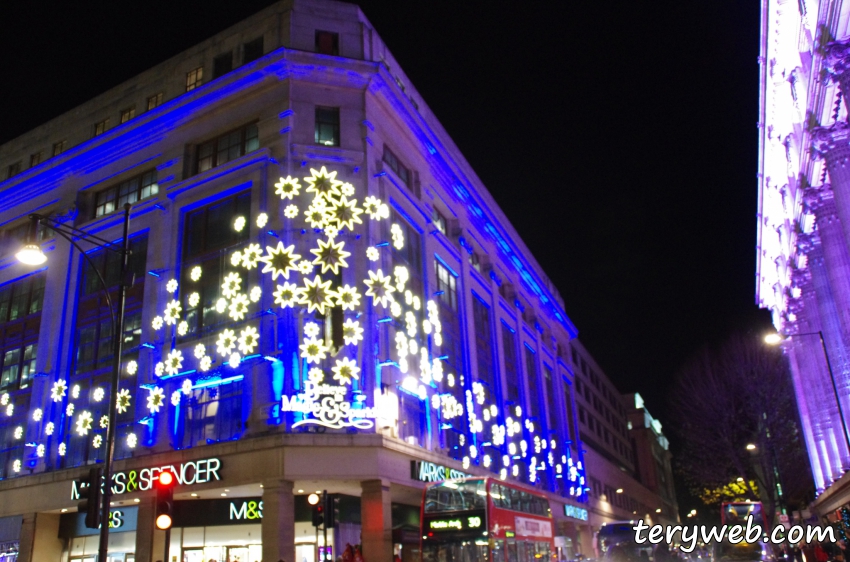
<point x="834" y="247"/>
<point x="833" y="145"/>
<point x="376" y="515"/>
<point x="40" y="538"/>
<point x="278" y="526"/>
<point x="150" y="542"/>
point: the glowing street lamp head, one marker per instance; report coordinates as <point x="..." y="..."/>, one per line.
<point x="773" y="339"/>
<point x="313" y="499"/>
<point x="751" y="447"/>
<point x="31" y="254"/>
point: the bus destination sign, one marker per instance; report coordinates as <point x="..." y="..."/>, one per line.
<point x="466" y="522"/>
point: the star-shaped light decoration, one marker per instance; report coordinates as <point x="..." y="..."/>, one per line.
<point x="172" y="312"/>
<point x="226" y="342"/>
<point x="231" y="285"/>
<point x="347" y="297"/>
<point x="323" y="184"/>
<point x="287" y="188"/>
<point x="122" y="402"/>
<point x="221" y="305"/>
<point x="316" y="294"/>
<point x="239" y="307"/>
<point x="401" y="277"/>
<point x="171" y="286"/>
<point x="291" y="211"/>
<point x="287" y="294"/>
<point x="345" y="370"/>
<point x="156" y="399"/>
<point x="316" y="375"/>
<point x="380" y="288"/>
<point x="280" y="260"/>
<point x="330" y="256"/>
<point x="236" y="258"/>
<point x="352" y="332"/>
<point x="234" y="360"/>
<point x="313" y="350"/>
<point x="255" y="293"/>
<point x="175" y="398"/>
<point x="58" y="390"/>
<point x="195" y="273"/>
<point x="345" y="213"/>
<point x="251" y="256"/>
<point x="174" y="362"/>
<point x="104" y="422"/>
<point x="84" y="423"/>
<point x="248" y="340"/>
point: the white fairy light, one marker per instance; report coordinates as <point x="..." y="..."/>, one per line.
<point x="200" y="351"/>
<point x="37" y="414"/>
<point x="239" y="224"/>
<point x="98" y="394"/>
<point x="234" y="360"/>
<point x="171" y="286"/>
<point x="195" y="273"/>
<point x="194" y="299"/>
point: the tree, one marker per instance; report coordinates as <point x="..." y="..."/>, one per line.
<point x="727" y="399"/>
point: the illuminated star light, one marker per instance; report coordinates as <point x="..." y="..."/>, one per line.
<point x="16" y="466"/>
<point x="323" y="184"/>
<point x="182" y="328"/>
<point x="174" y="362"/>
<point x="234" y="360"/>
<point x="226" y="342"/>
<point x="19" y="432"/>
<point x="380" y="288"/>
<point x="248" y="340"/>
<point x="4" y="400"/>
<point x="221" y="306"/>
<point x="97" y="441"/>
<point x="398" y="236"/>
<point x="232" y="284"/>
<point x="104" y="422"/>
<point x="39" y="451"/>
<point x="287" y="188"/>
<point x="287" y="294"/>
<point x="69" y="410"/>
<point x="347" y="189"/>
<point x="251" y="256"/>
<point x="196" y="273"/>
<point x="345" y="370"/>
<point x="175" y="398"/>
<point x="37" y="414"/>
<point x="280" y="260"/>
<point x="352" y="332"/>
<point x="159" y="369"/>
<point x="347" y="297"/>
<point x="62" y="448"/>
<point x="316" y="294"/>
<point x="122" y="402"/>
<point x="305" y="267"/>
<point x="206" y="363"/>
<point x="84" y="423"/>
<point x="99" y="393"/>
<point x="346" y="213"/>
<point x="171" y="286"/>
<point x="255" y="294"/>
<point x="236" y="258"/>
<point x="172" y="312"/>
<point x="313" y="350"/>
<point x="75" y="392"/>
<point x="330" y="256"/>
<point x="156" y="399"/>
<point x="317" y="214"/>
<point x="48" y="429"/>
<point x="157" y="322"/>
<point x="132" y="441"/>
<point x="58" y="390"/>
<point x="239" y="307"/>
<point x="331" y="231"/>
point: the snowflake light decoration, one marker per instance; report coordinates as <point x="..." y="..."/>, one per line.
<point x="290" y="212"/>
<point x="352" y="332"/>
<point x="186" y="387"/>
<point x="239" y="224"/>
<point x="345" y="370"/>
<point x="195" y="274"/>
<point x="49" y="428"/>
<point x="122" y="401"/>
<point x="132" y="367"/>
<point x="37" y="414"/>
<point x="171" y="286"/>
<point x="172" y="312"/>
<point x="97" y="441"/>
<point x="174" y="362"/>
<point x="156" y="399"/>
<point x="251" y="256"/>
<point x="372" y="253"/>
<point x="132" y="440"/>
<point x="98" y="394"/>
<point x="238" y="306"/>
<point x="313" y="350"/>
<point x="84" y="423"/>
<point x="157" y="323"/>
<point x="248" y="340"/>
<point x="262" y="220"/>
<point x="230" y="287"/>
<point x="287" y="188"/>
<point x="194" y="299"/>
<point x="226" y="342"/>
<point x="287" y="295"/>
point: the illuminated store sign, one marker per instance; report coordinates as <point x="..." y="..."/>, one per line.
<point x="429" y="472"/>
<point x="121" y="520"/>
<point x="575" y="512"/>
<point x="329" y="407"/>
<point x="210" y="513"/>
<point x="187" y="474"/>
<point x="465" y="523"/>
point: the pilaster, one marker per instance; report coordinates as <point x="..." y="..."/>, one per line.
<point x="278" y="527"/>
<point x="376" y="520"/>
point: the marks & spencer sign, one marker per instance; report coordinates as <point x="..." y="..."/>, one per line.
<point x="430" y="472"/>
<point x="187" y="473"/>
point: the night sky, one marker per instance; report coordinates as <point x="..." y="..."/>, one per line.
<point x="619" y="138"/>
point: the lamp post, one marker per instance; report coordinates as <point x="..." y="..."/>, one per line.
<point x="31" y="254"/>
<point x="774" y="339"/>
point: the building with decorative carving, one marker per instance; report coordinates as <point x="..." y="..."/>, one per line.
<point x="803" y="265"/>
<point x="325" y="297"/>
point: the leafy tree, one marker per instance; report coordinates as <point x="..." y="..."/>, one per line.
<point x="725" y="399"/>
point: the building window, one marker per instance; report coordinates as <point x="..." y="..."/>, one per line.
<point x="222" y="64"/>
<point x="327" y="43"/>
<point x="101" y="127"/>
<point x="194" y="78"/>
<point x="154" y="101"/>
<point x="213" y="414"/>
<point x="252" y="50"/>
<point x="511" y="367"/>
<point x="578" y="386"/>
<point x="440" y="221"/>
<point x="327" y="126"/>
<point x="581" y="415"/>
<point x="13" y="169"/>
<point x="59" y="147"/>
<point x="208" y="240"/>
<point x="227" y="147"/>
<point x="447" y="287"/>
<point x="569" y="423"/>
<point x="35" y="159"/>
<point x="396" y="166"/>
<point x="533" y="391"/>
<point x="20" y="320"/>
<point x="474" y="261"/>
<point x="412" y="423"/>
<point x="483" y="342"/>
<point x="550" y="402"/>
<point x="127" y="114"/>
<point x="134" y="189"/>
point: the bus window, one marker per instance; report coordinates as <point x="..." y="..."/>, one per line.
<point x="498" y="551"/>
<point x="512" y="552"/>
<point x="456" y="496"/>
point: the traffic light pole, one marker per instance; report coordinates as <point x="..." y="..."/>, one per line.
<point x="325" y="525"/>
<point x="167" y="544"/>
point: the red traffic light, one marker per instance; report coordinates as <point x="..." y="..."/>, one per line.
<point x="165" y="480"/>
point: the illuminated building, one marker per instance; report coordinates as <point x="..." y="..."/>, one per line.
<point x="325" y="298"/>
<point x="803" y="266"/>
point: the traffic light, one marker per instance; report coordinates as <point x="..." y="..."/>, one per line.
<point x="164" y="499"/>
<point x="89" y="490"/>
<point x="318" y="503"/>
<point x="331" y="510"/>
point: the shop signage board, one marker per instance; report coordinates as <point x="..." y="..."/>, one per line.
<point x="121" y="519"/>
<point x="187" y="473"/>
<point x="327" y="405"/>
<point x="226" y="511"/>
<point x="425" y="471"/>
<point x="527" y="527"/>
<point x="575" y="512"/>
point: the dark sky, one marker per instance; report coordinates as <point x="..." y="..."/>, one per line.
<point x="619" y="138"/>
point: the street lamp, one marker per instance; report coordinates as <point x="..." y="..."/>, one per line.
<point x="31" y="254"/>
<point x="751" y="447"/>
<point x="773" y="339"/>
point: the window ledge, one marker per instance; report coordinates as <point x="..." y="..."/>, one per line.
<point x="332" y="154"/>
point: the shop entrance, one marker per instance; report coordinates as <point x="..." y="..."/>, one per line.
<point x="252" y="553"/>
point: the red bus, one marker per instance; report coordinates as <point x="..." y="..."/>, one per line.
<point x="485" y="520"/>
<point x="735" y="513"/>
